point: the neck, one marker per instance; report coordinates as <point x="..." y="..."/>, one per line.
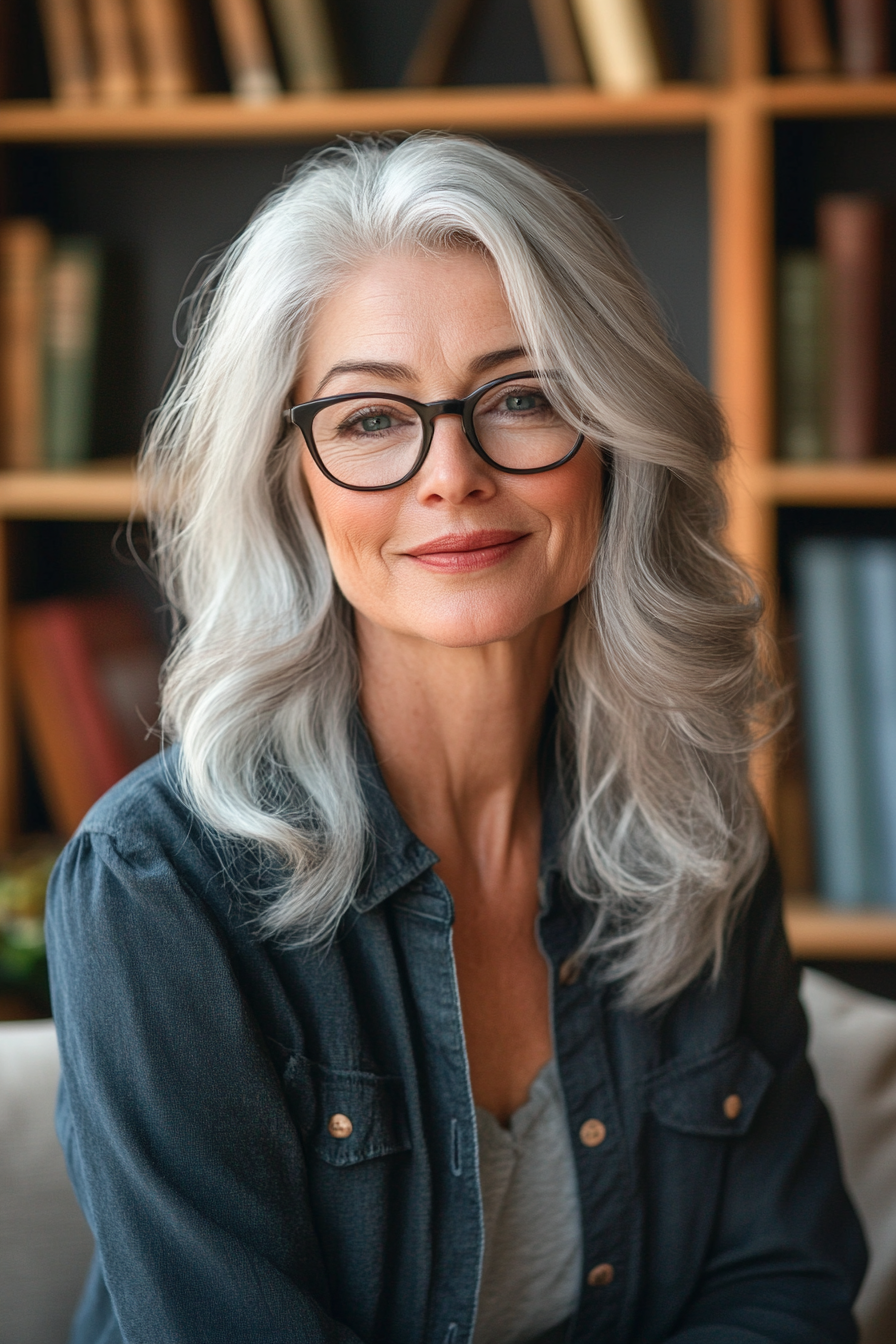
<point x="456" y="734"/>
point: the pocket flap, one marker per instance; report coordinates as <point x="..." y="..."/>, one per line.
<point x="716" y="1095"/>
<point x="347" y="1115"/>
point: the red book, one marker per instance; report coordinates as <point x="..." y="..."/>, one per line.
<point x="864" y="37"/>
<point x="86" y="673"/>
<point x="852" y="237"/>
<point x="804" y="43"/>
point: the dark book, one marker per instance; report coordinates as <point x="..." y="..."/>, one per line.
<point x="804" y="38"/>
<point x="852" y="236"/>
<point x="86" y="672"/>
<point x="864" y="37"/>
<point x="802" y="357"/>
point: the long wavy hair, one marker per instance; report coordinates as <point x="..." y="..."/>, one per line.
<point x="662" y="680"/>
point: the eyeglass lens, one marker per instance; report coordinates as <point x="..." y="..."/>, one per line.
<point x="376" y="441"/>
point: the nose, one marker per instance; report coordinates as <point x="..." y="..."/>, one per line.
<point x="453" y="470"/>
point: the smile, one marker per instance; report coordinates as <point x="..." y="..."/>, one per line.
<point x="461" y="552"/>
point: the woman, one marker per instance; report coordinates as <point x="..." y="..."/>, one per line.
<point x="433" y="986"/>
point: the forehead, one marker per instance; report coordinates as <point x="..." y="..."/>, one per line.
<point x="443" y="303"/>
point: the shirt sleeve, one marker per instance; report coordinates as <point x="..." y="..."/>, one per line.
<point x="175" y="1129"/>
<point x="788" y="1255"/>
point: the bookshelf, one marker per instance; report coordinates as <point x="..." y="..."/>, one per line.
<point x="738" y="119"/>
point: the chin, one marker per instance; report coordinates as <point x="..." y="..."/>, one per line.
<point x="471" y="627"/>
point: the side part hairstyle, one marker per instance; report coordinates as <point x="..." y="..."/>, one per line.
<point x="662" y="678"/>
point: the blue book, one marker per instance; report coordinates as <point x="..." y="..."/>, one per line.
<point x="825" y="607"/>
<point x="875" y="587"/>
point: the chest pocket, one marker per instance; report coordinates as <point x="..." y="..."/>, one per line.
<point x="346" y="1115"/>
<point x="716" y="1095"/>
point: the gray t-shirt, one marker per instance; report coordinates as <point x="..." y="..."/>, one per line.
<point x="532" y="1266"/>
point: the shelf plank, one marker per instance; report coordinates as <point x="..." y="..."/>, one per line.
<point x="542" y="109"/>
<point x="826" y="97"/>
<point x="92" y="493"/>
<point x="833" y="483"/>
<point x="819" y="933"/>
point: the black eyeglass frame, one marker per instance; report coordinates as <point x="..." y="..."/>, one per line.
<point x="302" y="416"/>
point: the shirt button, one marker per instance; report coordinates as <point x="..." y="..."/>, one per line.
<point x="592" y="1133"/>
<point x="732" y="1106"/>
<point x="340" y="1126"/>
<point x="601" y="1276"/>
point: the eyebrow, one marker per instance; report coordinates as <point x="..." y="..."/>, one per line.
<point x="399" y="372"/>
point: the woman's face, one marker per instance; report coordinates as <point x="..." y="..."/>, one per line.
<point x="462" y="554"/>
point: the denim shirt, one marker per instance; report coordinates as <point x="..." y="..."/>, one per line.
<point x="202" y="1066"/>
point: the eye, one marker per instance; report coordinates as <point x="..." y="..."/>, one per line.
<point x="371" y="423"/>
<point x="521" y="401"/>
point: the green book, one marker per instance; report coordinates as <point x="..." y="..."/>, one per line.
<point x="74" y="285"/>
<point x="802" y="428"/>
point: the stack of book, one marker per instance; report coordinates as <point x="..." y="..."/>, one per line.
<point x="50" y="301"/>
<point x="837" y="336"/>
<point x="857" y="45"/>
<point x="119" y="51"/>
<point x="845" y="604"/>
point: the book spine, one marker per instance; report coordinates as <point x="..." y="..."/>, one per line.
<point x="875" y="564"/>
<point x="804" y="40"/>
<point x="307" y="45"/>
<point x="824" y="603"/>
<point x="163" y="40"/>
<point x="431" y="57"/>
<point x="618" y="44"/>
<point x="68" y="52"/>
<point x="851" y="233"/>
<point x="117" y="80"/>
<point x="559" y="40"/>
<point x="247" y="49"/>
<point x="710" y="61"/>
<point x="801" y="375"/>
<point x="73" y="294"/>
<point x="25" y="246"/>
<point x="864" y="37"/>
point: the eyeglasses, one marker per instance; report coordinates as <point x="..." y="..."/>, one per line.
<point x="377" y="440"/>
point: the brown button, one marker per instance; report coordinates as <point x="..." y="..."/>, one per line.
<point x="732" y="1106"/>
<point x="600" y="1276"/>
<point x="340" y="1126"/>
<point x="569" y="972"/>
<point x="592" y="1133"/>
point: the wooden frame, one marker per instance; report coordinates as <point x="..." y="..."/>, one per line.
<point x="739" y="118"/>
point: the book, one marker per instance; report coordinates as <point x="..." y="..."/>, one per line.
<point x="247" y="49"/>
<point x="802" y="372"/>
<point x="804" y="39"/>
<point x="25" y="248"/>
<point x="710" y="62"/>
<point x="852" y="237"/>
<point x="825" y="603"/>
<point x="163" y="41"/>
<point x="116" y="77"/>
<point x="430" y="60"/>
<point x="864" y="37"/>
<point x="86" y="675"/>
<point x="875" y="589"/>
<point x="73" y="288"/>
<point x="306" y="44"/>
<point x="618" y="43"/>
<point x="68" y="51"/>
<point x="558" y="38"/>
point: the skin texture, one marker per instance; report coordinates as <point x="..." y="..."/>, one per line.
<point x="457" y="649"/>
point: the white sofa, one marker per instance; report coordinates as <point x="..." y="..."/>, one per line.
<point x="45" y="1245"/>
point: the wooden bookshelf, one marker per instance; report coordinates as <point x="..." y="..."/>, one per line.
<point x="739" y="119"/>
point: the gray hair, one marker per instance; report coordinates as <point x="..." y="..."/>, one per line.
<point x="662" y="682"/>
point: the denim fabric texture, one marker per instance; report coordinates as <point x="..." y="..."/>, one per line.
<point x="201" y="1065"/>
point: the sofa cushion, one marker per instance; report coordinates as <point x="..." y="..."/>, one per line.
<point x="45" y="1244"/>
<point x="852" y="1045"/>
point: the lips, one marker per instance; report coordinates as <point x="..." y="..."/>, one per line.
<point x="465" y="551"/>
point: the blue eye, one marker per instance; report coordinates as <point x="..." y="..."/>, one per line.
<point x="520" y="401"/>
<point x="371" y="423"/>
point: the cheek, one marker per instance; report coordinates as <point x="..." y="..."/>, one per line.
<point x="571" y="501"/>
<point x="355" y="527"/>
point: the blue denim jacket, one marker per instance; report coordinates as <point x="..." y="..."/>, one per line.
<point x="201" y="1066"/>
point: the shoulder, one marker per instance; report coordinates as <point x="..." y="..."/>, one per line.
<point x="144" y="809"/>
